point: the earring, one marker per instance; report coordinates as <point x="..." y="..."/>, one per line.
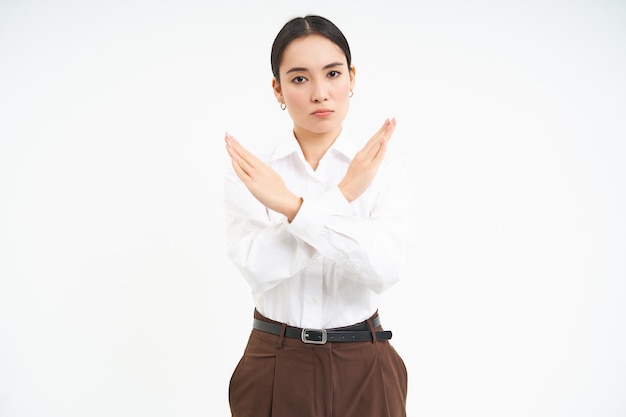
<point x="351" y="93"/>
<point x="283" y="106"/>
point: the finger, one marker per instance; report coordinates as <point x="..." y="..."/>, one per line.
<point x="238" y="170"/>
<point x="242" y="152"/>
<point x="236" y="164"/>
<point x="240" y="156"/>
<point x="371" y="146"/>
<point x="391" y="128"/>
<point x="244" y="165"/>
<point x="243" y="169"/>
<point x="383" y="134"/>
<point x="382" y="149"/>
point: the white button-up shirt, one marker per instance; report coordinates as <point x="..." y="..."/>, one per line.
<point x="327" y="267"/>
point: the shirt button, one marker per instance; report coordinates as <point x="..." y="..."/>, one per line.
<point x="313" y="300"/>
<point x="302" y="231"/>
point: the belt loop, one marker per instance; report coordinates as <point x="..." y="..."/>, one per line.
<point x="372" y="330"/>
<point x="281" y="336"/>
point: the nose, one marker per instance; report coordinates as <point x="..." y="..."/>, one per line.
<point x="319" y="93"/>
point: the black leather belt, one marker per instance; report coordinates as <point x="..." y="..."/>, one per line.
<point x="357" y="333"/>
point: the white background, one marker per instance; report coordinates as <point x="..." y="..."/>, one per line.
<point x="116" y="296"/>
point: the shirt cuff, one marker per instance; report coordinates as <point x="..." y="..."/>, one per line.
<point x="314" y="213"/>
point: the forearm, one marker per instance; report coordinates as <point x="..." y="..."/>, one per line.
<point x="290" y="207"/>
<point x="257" y="239"/>
<point x="260" y="253"/>
<point x="367" y="249"/>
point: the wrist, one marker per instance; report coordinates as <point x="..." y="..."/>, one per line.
<point x="293" y="207"/>
<point x="343" y="188"/>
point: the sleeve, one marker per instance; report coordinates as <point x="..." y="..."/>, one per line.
<point x="255" y="241"/>
<point x="371" y="249"/>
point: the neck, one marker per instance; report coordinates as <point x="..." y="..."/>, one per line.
<point x="314" y="145"/>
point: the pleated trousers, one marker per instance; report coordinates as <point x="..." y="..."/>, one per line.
<point x="285" y="377"/>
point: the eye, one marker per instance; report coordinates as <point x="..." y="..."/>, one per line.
<point x="334" y="74"/>
<point x="298" y="80"/>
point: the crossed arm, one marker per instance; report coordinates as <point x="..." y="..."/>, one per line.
<point x="269" y="188"/>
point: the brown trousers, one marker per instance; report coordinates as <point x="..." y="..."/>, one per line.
<point x="284" y="377"/>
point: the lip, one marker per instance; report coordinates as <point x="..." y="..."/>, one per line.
<point x="322" y="112"/>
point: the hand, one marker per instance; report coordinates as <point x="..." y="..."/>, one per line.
<point x="363" y="167"/>
<point x="263" y="182"/>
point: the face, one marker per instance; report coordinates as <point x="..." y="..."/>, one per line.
<point x="315" y="85"/>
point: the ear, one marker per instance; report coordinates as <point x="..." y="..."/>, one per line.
<point x="278" y="91"/>
<point x="352" y="76"/>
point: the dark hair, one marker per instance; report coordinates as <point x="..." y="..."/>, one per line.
<point x="300" y="27"/>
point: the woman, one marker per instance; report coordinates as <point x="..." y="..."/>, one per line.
<point x="318" y="231"/>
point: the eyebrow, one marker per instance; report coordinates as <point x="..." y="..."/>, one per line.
<point x="302" y="69"/>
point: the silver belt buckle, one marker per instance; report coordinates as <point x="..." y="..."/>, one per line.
<point x="307" y="335"/>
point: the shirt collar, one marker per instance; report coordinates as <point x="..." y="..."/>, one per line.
<point x="289" y="145"/>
